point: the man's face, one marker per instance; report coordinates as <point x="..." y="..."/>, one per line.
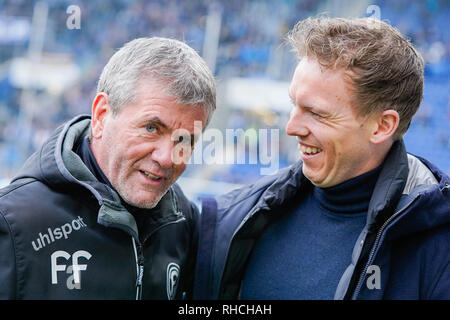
<point x="136" y="146"/>
<point x="334" y="143"/>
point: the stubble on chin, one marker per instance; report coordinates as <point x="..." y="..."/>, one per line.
<point x="145" y="202"/>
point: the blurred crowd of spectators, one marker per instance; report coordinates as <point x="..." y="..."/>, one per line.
<point x="251" y="31"/>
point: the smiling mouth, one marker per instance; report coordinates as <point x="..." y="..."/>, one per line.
<point x="309" y="150"/>
<point x="150" y="175"/>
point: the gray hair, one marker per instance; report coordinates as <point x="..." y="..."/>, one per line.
<point x="171" y="61"/>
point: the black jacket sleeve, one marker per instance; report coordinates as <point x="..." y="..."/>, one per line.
<point x="7" y="262"/>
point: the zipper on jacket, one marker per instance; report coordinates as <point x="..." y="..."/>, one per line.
<point x="376" y="243"/>
<point x="139" y="257"/>
<point x="139" y="268"/>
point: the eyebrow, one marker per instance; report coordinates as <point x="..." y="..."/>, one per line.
<point x="310" y="108"/>
<point x="157" y="121"/>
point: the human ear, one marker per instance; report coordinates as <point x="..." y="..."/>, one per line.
<point x="100" y="109"/>
<point x="385" y="127"/>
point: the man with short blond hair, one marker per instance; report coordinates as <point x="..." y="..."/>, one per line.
<point x="357" y="217"/>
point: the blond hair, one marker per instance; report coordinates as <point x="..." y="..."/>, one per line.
<point x="385" y="69"/>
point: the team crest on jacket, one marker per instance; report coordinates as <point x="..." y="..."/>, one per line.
<point x="173" y="273"/>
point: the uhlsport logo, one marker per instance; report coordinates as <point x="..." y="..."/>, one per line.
<point x="173" y="273"/>
<point x="73" y="281"/>
<point x="51" y="235"/>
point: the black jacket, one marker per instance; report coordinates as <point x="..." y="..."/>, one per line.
<point x="64" y="235"/>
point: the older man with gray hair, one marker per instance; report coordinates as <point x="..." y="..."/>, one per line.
<point x="95" y="213"/>
<point x="357" y="217"/>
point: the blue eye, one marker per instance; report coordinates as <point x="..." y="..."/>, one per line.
<point x="150" y="128"/>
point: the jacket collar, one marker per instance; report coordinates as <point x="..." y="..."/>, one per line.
<point x="286" y="186"/>
<point x="390" y="184"/>
<point x="402" y="177"/>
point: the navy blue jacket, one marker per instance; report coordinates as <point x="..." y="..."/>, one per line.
<point x="403" y="252"/>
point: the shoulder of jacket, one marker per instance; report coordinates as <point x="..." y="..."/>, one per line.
<point x="16" y="185"/>
<point x="252" y="192"/>
<point x="419" y="174"/>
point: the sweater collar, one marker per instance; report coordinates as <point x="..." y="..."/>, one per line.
<point x="351" y="196"/>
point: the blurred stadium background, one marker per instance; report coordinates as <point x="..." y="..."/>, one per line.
<point x="48" y="72"/>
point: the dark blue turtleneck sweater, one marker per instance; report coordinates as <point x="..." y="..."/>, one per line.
<point x="303" y="254"/>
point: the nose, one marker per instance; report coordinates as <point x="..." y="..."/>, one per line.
<point x="297" y="125"/>
<point x="162" y="153"/>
